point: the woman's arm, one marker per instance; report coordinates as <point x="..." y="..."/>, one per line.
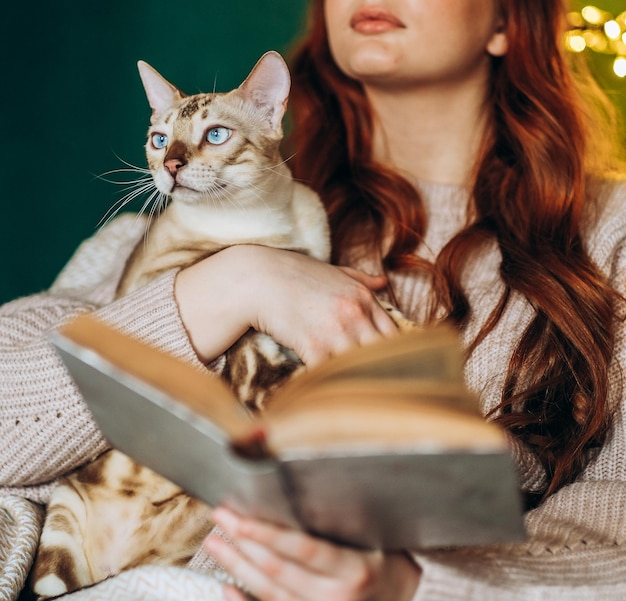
<point x="313" y="308"/>
<point x="45" y="427"/>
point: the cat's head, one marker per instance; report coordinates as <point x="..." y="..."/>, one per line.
<point x="210" y="146"/>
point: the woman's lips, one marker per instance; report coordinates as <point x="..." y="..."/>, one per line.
<point x="371" y="20"/>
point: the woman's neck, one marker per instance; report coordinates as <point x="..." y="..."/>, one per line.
<point x="429" y="133"/>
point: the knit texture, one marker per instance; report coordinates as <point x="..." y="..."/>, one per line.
<point x="20" y="525"/>
<point x="576" y="544"/>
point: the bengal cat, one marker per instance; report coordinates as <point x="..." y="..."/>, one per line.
<point x="215" y="165"/>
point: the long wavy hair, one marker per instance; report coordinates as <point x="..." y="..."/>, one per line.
<point x="529" y="191"/>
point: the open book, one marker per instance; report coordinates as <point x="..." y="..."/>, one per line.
<point x="380" y="447"/>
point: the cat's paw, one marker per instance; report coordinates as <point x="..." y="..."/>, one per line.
<point x="404" y="323"/>
<point x="256" y="366"/>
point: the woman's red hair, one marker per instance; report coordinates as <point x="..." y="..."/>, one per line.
<point x="529" y="193"/>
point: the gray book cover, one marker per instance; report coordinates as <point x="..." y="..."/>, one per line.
<point x="393" y="498"/>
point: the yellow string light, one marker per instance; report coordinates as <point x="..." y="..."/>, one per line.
<point x="612" y="30"/>
<point x="619" y="66"/>
<point x="597" y="30"/>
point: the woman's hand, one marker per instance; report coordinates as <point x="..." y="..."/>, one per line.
<point x="280" y="564"/>
<point x="315" y="309"/>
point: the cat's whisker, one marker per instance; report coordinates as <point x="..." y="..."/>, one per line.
<point x="217" y="198"/>
<point x="140" y="182"/>
<point x="156" y="201"/>
<point x="116" y="208"/>
<point x="149" y="202"/>
<point x="279" y="173"/>
<point x="249" y="187"/>
<point x="276" y="168"/>
<point x="141" y="188"/>
<point x="273" y="168"/>
<point x="133" y="188"/>
<point x="144" y="173"/>
<point x="131" y="165"/>
<point x="228" y="194"/>
<point x="260" y="194"/>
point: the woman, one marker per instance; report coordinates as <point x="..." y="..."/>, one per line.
<point x="447" y="141"/>
<point x="471" y="103"/>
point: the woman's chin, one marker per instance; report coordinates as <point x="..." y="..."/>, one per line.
<point x="374" y="61"/>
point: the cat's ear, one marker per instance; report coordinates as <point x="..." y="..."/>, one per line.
<point x="267" y="87"/>
<point x="160" y="92"/>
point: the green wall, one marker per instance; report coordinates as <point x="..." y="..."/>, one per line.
<point x="72" y="106"/>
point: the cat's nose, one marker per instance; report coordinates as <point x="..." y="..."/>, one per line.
<point x="174" y="165"/>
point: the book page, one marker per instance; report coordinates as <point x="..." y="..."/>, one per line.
<point x="429" y="357"/>
<point x="375" y="418"/>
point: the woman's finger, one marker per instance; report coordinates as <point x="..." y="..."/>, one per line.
<point x="373" y="282"/>
<point x="282" y="540"/>
<point x="292" y="545"/>
<point x="270" y="576"/>
<point x="232" y="593"/>
<point x="277" y="564"/>
<point x="264" y="580"/>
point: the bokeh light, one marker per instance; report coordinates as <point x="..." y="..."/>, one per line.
<point x="597" y="30"/>
<point x="612" y="29"/>
<point x="619" y="66"/>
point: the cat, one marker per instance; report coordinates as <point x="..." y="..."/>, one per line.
<point x="216" y="158"/>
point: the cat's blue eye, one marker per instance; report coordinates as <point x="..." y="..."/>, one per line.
<point x="159" y="140"/>
<point x="218" y="135"/>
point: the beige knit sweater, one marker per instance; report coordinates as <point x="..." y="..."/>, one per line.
<point x="577" y="539"/>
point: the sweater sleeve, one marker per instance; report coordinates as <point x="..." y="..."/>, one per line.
<point x="45" y="428"/>
<point x="576" y="546"/>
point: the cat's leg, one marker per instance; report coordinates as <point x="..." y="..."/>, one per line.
<point x="255" y="366"/>
<point x="60" y="565"/>
<point x="112" y="515"/>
